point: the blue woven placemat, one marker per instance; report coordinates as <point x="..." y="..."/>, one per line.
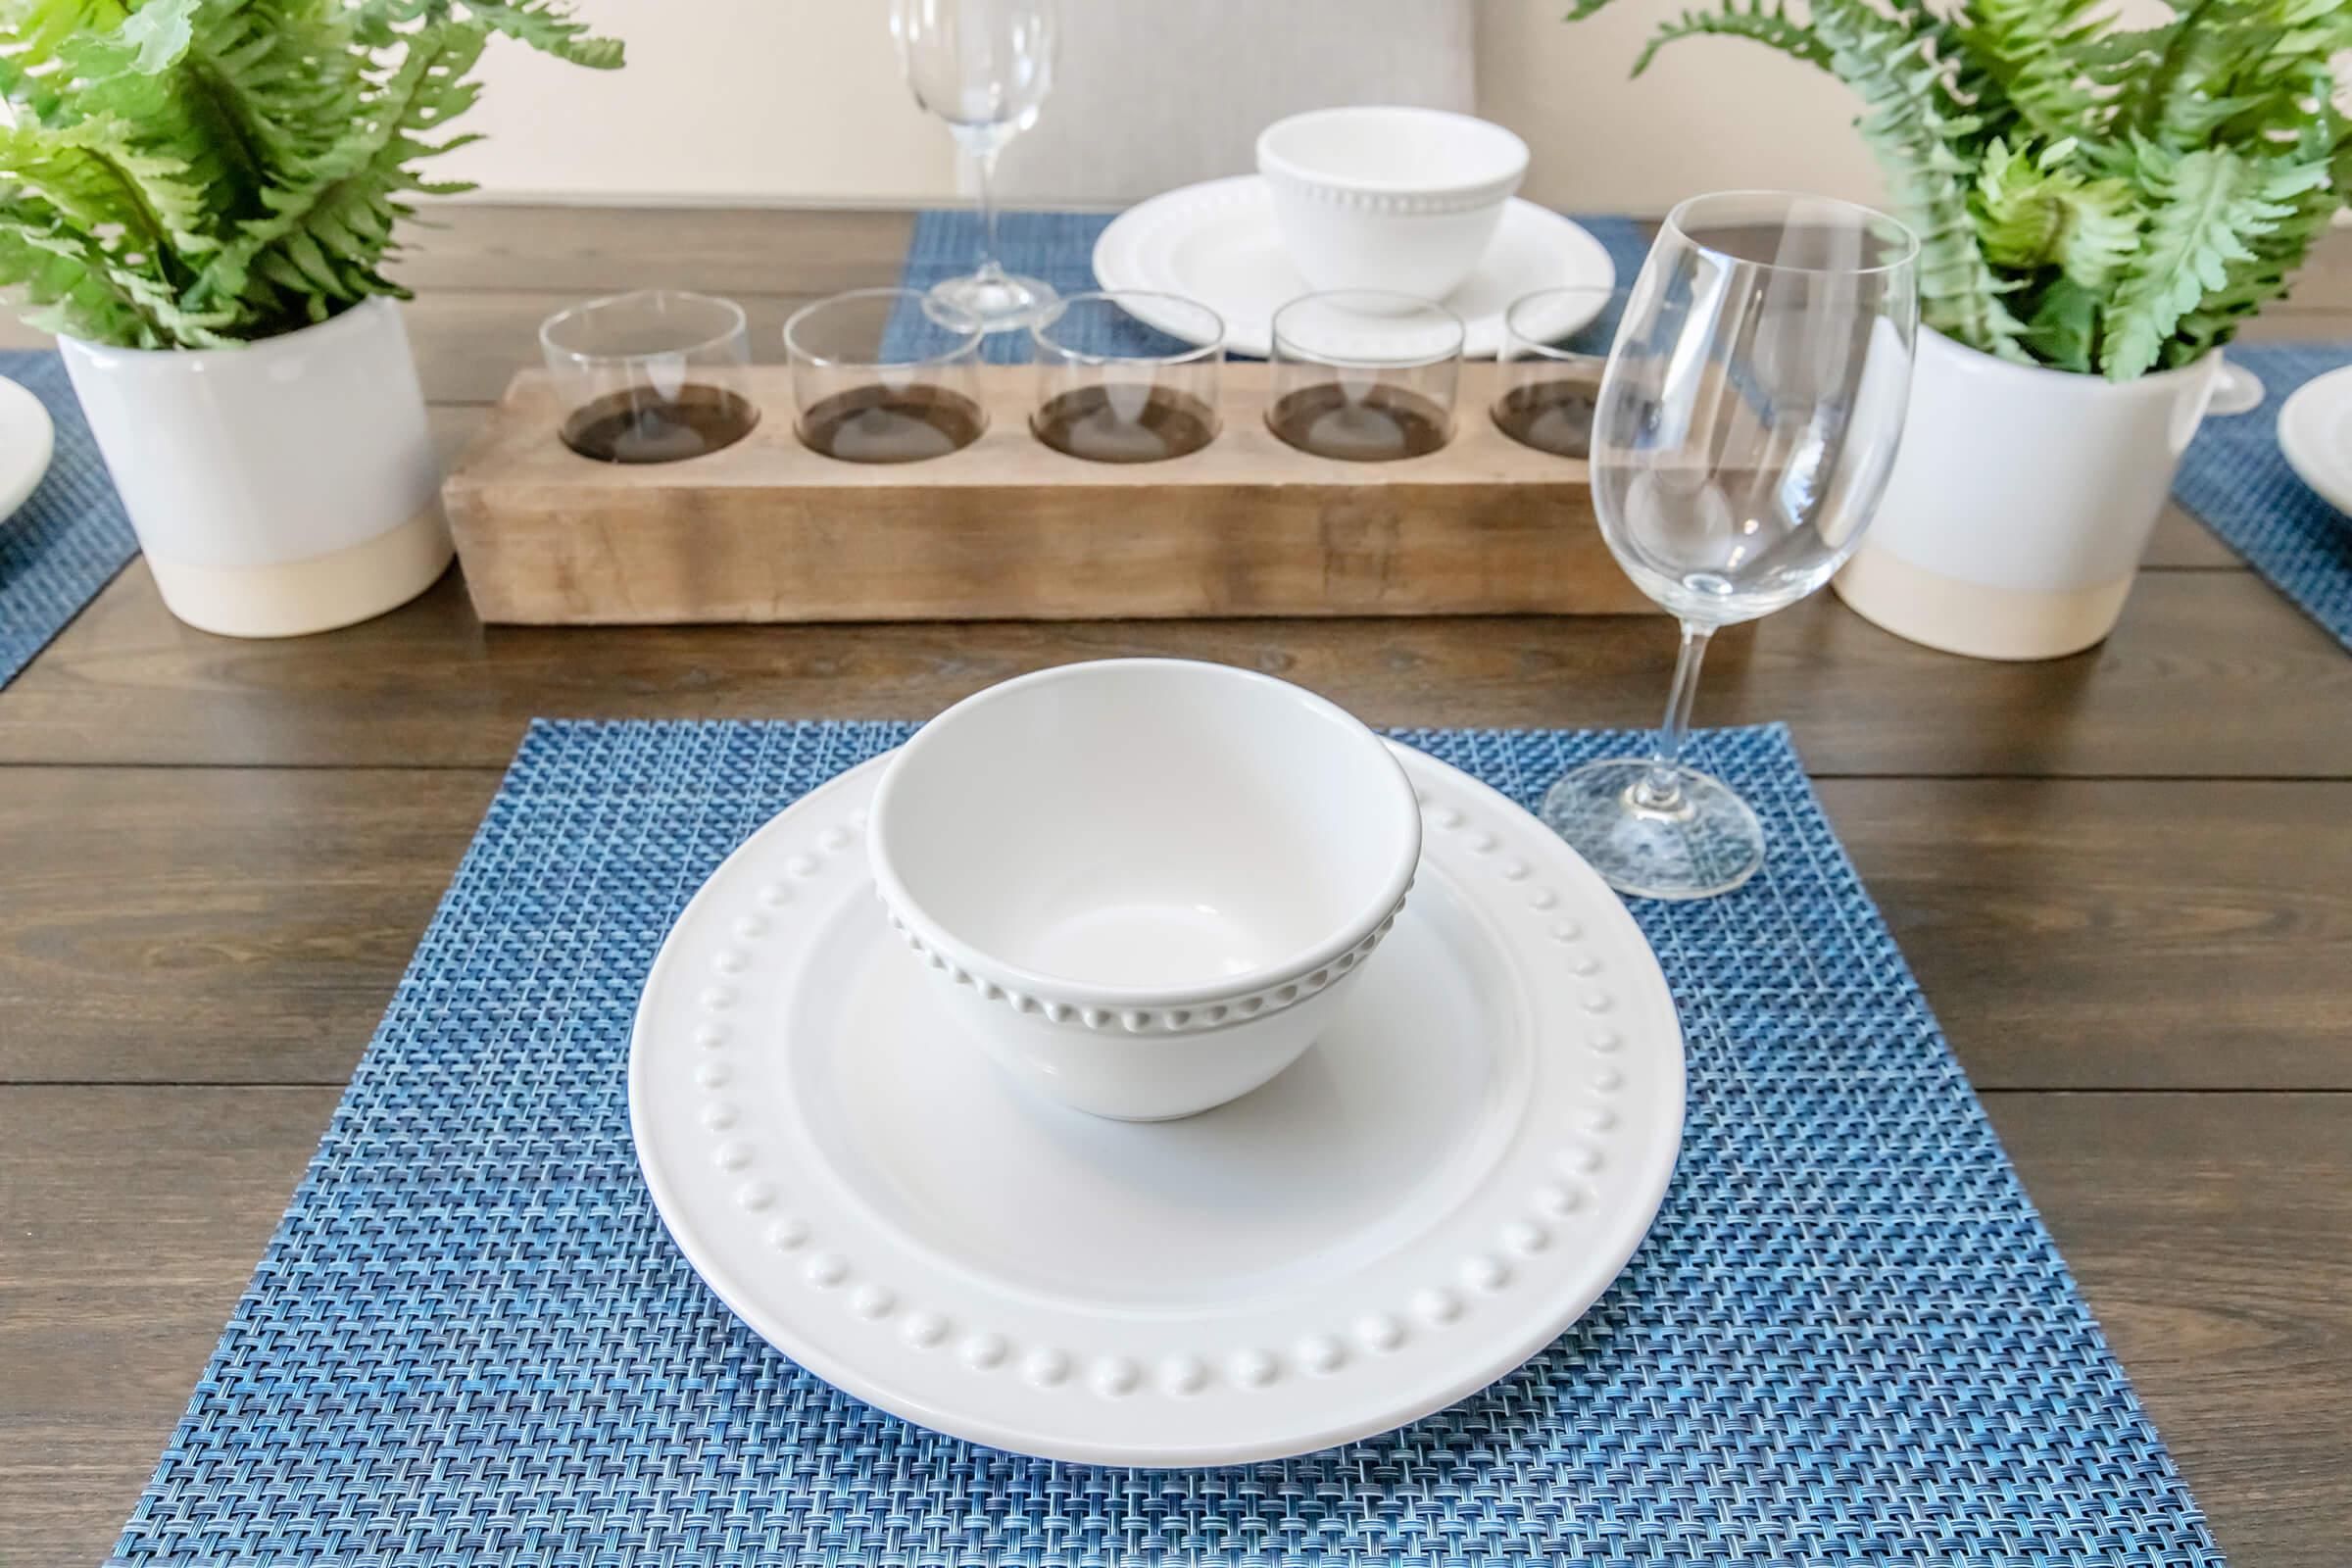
<point x="1059" y="248"/>
<point x="1848" y="1340"/>
<point x="2236" y="478"/>
<point x="70" y="537"/>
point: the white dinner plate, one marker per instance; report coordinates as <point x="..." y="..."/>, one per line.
<point x="1428" y="1198"/>
<point x="1216" y="243"/>
<point x="2314" y="432"/>
<point x="27" y="440"/>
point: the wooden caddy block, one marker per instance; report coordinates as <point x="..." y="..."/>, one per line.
<point x="767" y="530"/>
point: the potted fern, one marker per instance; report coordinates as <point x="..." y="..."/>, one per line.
<point x="199" y="197"/>
<point x="2099" y="207"/>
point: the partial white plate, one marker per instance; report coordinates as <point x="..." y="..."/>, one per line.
<point x="1216" y="243"/>
<point x="1426" y="1200"/>
<point x="2314" y="432"/>
<point x="27" y="442"/>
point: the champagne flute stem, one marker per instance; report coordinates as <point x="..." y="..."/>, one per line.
<point x="1661" y="789"/>
<point x="984" y="173"/>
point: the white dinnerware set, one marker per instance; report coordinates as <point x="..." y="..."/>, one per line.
<point x="1414" y="202"/>
<point x="1148" y="1064"/>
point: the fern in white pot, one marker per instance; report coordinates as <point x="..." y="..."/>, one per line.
<point x="2099" y="209"/>
<point x="200" y="198"/>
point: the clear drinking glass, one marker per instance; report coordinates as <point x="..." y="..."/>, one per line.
<point x="1364" y="375"/>
<point x="985" y="67"/>
<point x="1556" y="345"/>
<point x="1128" y="376"/>
<point x="885" y="376"/>
<point x="649" y="377"/>
<point x="1746" y="426"/>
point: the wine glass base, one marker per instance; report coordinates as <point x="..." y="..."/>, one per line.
<point x="1704" y="843"/>
<point x="999" y="303"/>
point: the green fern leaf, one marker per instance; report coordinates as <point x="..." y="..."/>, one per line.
<point x="323" y="240"/>
<point x="65" y="275"/>
<point x="38" y="29"/>
<point x="2064" y="328"/>
<point x="2030" y="53"/>
<point x="95" y="173"/>
<point x="548" y="28"/>
<point x="2209" y="203"/>
<point x="2033" y="212"/>
<point x="1922" y="140"/>
<point x="1760" y="20"/>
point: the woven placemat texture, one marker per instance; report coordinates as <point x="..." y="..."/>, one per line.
<point x="2236" y="481"/>
<point x="70" y="537"/>
<point x="1059" y="248"/>
<point x="1848" y="1340"/>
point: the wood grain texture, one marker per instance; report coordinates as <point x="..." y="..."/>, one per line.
<point x="591" y="250"/>
<point x="2088" y="934"/>
<point x="2209" y="673"/>
<point x="2180" y="541"/>
<point x="249" y="925"/>
<point x="216" y="925"/>
<point x="2211" y="1234"/>
<point x="768" y="530"/>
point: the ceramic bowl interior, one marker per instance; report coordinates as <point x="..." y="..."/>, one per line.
<point x="1415" y="151"/>
<point x="1145" y="829"/>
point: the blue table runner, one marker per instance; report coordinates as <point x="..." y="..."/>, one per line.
<point x="2237" y="481"/>
<point x="1848" y="1340"/>
<point x="71" y="537"/>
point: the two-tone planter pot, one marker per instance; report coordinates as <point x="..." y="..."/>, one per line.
<point x="282" y="487"/>
<point x="2022" y="500"/>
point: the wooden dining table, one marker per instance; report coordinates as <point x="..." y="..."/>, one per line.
<point x="2124" y="880"/>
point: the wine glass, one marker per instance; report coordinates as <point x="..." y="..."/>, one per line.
<point x="1743" y="434"/>
<point x="984" y="66"/>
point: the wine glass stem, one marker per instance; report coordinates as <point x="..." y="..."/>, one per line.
<point x="984" y="174"/>
<point x="1661" y="789"/>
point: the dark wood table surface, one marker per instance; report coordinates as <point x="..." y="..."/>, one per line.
<point x="2124" y="880"/>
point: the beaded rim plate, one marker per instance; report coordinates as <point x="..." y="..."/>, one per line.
<point x="1427" y="1198"/>
<point x="1215" y="243"/>
<point x="2315" y="436"/>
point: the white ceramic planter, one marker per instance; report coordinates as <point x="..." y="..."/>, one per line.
<point x="280" y="488"/>
<point x="2021" y="502"/>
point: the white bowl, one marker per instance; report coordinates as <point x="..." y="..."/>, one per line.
<point x="1150" y="881"/>
<point x="1399" y="199"/>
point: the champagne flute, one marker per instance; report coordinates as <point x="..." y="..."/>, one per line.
<point x="1743" y="433"/>
<point x="984" y="66"/>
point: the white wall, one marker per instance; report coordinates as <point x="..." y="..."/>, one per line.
<point x="722" y="101"/>
<point x="762" y="101"/>
<point x="1710" y="113"/>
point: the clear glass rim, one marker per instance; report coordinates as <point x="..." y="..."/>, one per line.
<point x="1536" y="348"/>
<point x="1278" y="339"/>
<point x="971" y="330"/>
<point x="1040" y="330"/>
<point x="1678" y="223"/>
<point x="739" y="327"/>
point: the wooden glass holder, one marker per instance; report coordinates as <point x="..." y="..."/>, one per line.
<point x="767" y="530"/>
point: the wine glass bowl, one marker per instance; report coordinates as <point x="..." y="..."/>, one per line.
<point x="984" y="66"/>
<point x="1743" y="433"/>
